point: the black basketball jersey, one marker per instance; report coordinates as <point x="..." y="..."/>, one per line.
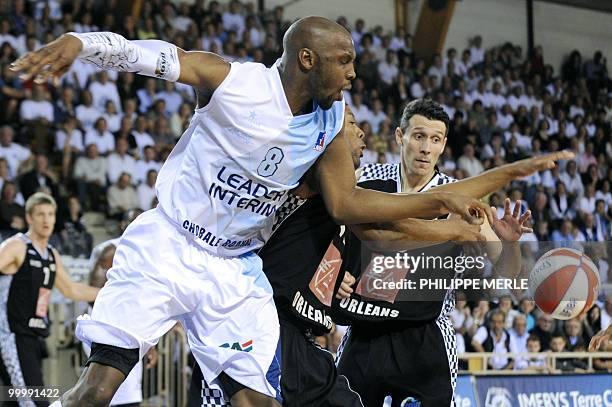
<point x="371" y="303"/>
<point x="25" y="295"/>
<point x="302" y="262"/>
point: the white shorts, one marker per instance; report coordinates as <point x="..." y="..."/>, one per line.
<point x="160" y="277"/>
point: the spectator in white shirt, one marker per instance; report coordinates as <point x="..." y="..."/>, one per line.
<point x="388" y="70"/>
<point x="122" y="197"/>
<point x="233" y="20"/>
<point x="469" y="163"/>
<point x="90" y="173"/>
<point x="146" y="95"/>
<point x="100" y="136"/>
<point x="255" y="32"/>
<point x="505" y="117"/>
<point x="465" y="63"/>
<point x="5" y="34"/>
<point x="360" y="110"/>
<point x="586" y="204"/>
<point x="37" y="108"/>
<point x="377" y="116"/>
<point x="15" y="154"/>
<point x="494" y="339"/>
<point x="476" y="51"/>
<point x="517" y="98"/>
<point x="357" y="33"/>
<point x="518" y="334"/>
<point x="120" y="161"/>
<point x="182" y="21"/>
<point x="149" y="162"/>
<point x="437" y="69"/>
<point x="561" y="204"/>
<point x="113" y="119"/>
<point x="70" y="132"/>
<point x="103" y="90"/>
<point x="495" y="98"/>
<point x="146" y="191"/>
<point x="172" y="98"/>
<point x="87" y="113"/>
<point x="140" y="138"/>
<point x="419" y="88"/>
<point x="572" y="180"/>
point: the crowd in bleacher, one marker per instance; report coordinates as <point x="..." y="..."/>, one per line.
<point x="96" y="140"/>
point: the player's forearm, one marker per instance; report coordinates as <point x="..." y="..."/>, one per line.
<point x="406" y="234"/>
<point x="154" y="58"/>
<point x="82" y="292"/>
<point x="108" y="50"/>
<point x="482" y="184"/>
<point x="509" y="262"/>
<point x="367" y="206"/>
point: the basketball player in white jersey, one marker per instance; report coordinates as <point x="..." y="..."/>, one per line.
<point x="254" y="134"/>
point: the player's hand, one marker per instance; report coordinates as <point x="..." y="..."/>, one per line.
<point x="52" y="60"/>
<point x="151" y="358"/>
<point x="511" y="226"/>
<point x="470" y="209"/>
<point x="346" y="288"/>
<point x="528" y="166"/>
<point x="601" y="340"/>
<point x="463" y="231"/>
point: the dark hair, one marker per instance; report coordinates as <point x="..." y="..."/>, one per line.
<point x="424" y="107"/>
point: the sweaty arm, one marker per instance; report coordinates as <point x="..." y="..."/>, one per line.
<point x="349" y="205"/>
<point x="71" y="289"/>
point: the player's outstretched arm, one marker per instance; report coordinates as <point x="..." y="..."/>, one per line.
<point x="107" y="50"/>
<point x="71" y="289"/>
<point x="348" y="204"/>
<point x="494" y="179"/>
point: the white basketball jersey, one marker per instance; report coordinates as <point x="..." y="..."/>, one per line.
<point x="231" y="169"/>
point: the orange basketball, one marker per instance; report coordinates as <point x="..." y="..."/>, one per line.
<point x="564" y="282"/>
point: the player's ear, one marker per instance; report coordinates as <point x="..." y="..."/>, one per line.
<point x="307" y="58"/>
<point x="398" y="135"/>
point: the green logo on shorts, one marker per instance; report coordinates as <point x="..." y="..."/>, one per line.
<point x="244" y="347"/>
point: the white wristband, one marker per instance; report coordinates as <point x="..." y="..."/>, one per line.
<point x="108" y="50"/>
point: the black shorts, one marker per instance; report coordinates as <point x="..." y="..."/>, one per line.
<point x="21" y="363"/>
<point x="308" y="377"/>
<point x="410" y="362"/>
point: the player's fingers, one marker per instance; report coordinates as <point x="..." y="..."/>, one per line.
<point x="53" y="69"/>
<point x="506" y="206"/>
<point x="517" y="209"/>
<point x="58" y="76"/>
<point x="562" y="155"/>
<point x="348" y="279"/>
<point x="342" y="293"/>
<point x="525" y="217"/>
<point x="594" y="345"/>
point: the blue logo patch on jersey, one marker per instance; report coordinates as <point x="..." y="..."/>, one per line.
<point x="320" y="144"/>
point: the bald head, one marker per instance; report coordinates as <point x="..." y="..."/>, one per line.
<point x="314" y="33"/>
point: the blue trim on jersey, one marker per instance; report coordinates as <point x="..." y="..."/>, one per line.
<point x="274" y="373"/>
